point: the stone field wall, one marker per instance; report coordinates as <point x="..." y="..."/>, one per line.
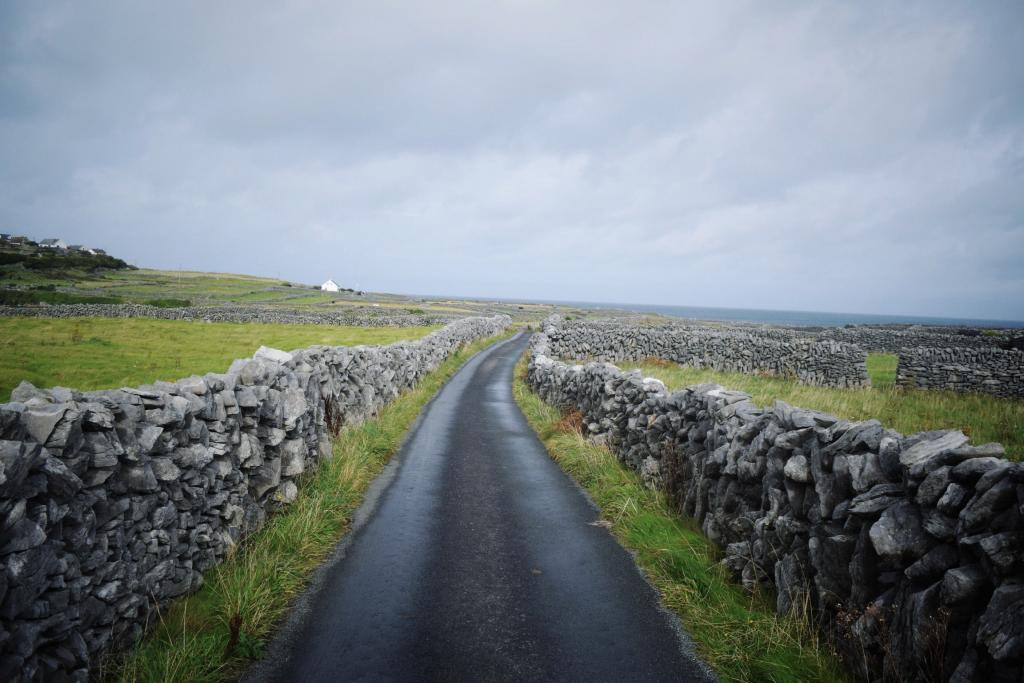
<point x="988" y="370"/>
<point x="893" y="341"/>
<point x="909" y="550"/>
<point x="360" y="317"/>
<point x="829" y="363"/>
<point x="114" y="502"/>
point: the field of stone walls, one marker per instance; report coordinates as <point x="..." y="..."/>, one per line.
<point x="829" y="363"/>
<point x="229" y="314"/>
<point x="115" y="502"/>
<point x="833" y="357"/>
<point x="908" y="550"/>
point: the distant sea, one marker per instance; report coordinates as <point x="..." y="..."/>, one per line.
<point x="819" y="318"/>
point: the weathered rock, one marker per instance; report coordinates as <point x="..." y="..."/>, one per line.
<point x="286" y="493"/>
<point x="40" y="421"/>
<point x="1004" y="550"/>
<point x="969" y="471"/>
<point x="964" y="584"/>
<point x="929" y="450"/>
<point x="164" y="469"/>
<point x="982" y="508"/>
<point x="141" y="478"/>
<point x="276" y="355"/>
<point x="61" y="483"/>
<point x="1001" y="628"/>
<point x="898" y="533"/>
<point x="879" y="498"/>
<point x="22" y="535"/>
<point x="798" y="469"/>
<point x="933" y="486"/>
<point x="953" y="499"/>
<point x="934" y="563"/>
<point x="293" y="457"/>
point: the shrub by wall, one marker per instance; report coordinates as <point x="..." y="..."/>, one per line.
<point x="115" y="502"/>
<point x="908" y="549"/>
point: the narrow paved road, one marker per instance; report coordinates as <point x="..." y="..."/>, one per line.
<point x="478" y="563"/>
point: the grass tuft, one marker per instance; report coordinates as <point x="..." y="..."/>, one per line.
<point x="213" y="634"/>
<point x="737" y="633"/>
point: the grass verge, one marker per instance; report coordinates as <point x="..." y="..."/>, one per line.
<point x="104" y="353"/>
<point x="212" y="634"/>
<point x="981" y="417"/>
<point x="738" y="634"/>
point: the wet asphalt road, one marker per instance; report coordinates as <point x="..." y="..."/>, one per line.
<point x="473" y="560"/>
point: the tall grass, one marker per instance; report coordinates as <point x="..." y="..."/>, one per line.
<point x="104" y="353"/>
<point x="981" y="417"/>
<point x="738" y="634"/>
<point x="213" y="634"/>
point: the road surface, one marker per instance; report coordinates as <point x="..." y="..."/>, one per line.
<point x="474" y="559"/>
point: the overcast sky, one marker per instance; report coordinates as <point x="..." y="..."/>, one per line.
<point x="860" y="157"/>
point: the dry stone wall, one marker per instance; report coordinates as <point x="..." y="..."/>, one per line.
<point x="908" y="549"/>
<point x="358" y="316"/>
<point x="988" y="370"/>
<point x="114" y="502"/>
<point x="829" y="363"/>
<point x="893" y="341"/>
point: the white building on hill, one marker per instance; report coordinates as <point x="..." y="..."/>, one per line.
<point x="329" y="286"/>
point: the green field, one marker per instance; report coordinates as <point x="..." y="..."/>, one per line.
<point x="104" y="353"/>
<point x="983" y="418"/>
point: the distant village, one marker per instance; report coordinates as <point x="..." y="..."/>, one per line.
<point x="56" y="244"/>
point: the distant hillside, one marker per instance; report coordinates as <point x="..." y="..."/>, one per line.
<point x="31" y="272"/>
<point x="38" y="257"/>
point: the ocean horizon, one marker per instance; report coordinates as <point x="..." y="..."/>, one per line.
<point x="778" y="317"/>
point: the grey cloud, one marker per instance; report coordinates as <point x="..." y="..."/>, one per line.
<point x="812" y="156"/>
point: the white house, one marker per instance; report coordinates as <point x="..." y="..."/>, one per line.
<point x="329" y="286"/>
<point x="53" y="244"/>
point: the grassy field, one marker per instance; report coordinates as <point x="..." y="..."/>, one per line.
<point x="882" y="369"/>
<point x="983" y="418"/>
<point x="738" y="634"/>
<point x="104" y="353"/>
<point x="252" y="589"/>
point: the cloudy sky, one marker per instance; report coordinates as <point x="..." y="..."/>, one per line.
<point x="861" y="157"/>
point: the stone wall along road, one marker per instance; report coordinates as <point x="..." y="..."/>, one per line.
<point x="115" y="502"/>
<point x="908" y="549"/>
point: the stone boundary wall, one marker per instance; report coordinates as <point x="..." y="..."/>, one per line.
<point x="894" y="341"/>
<point x="229" y="314"/>
<point x="832" y="364"/>
<point x="988" y="370"/>
<point x="908" y="549"/>
<point x="115" y="502"/>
